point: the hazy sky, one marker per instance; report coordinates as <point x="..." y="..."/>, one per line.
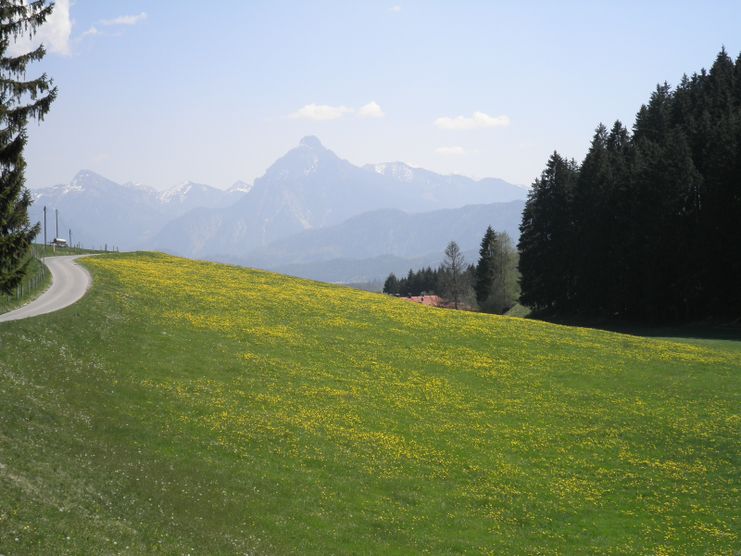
<point x="159" y="92"/>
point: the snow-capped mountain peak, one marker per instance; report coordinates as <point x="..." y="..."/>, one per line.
<point x="308" y="187"/>
<point x="141" y="187"/>
<point x="240" y="187"/>
<point x="309" y="157"/>
<point x="176" y="193"/>
<point x="82" y="178"/>
<point x="187" y="190"/>
<point x="397" y="170"/>
<point x="84" y="181"/>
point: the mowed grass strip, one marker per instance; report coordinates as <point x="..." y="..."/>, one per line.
<point x="188" y="407"/>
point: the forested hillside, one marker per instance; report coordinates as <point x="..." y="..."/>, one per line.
<point x="647" y="227"/>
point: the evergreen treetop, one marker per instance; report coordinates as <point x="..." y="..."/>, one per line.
<point x="485" y="266"/>
<point x="646" y="228"/>
<point x="21" y="100"/>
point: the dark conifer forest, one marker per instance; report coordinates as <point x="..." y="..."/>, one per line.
<point x="648" y="226"/>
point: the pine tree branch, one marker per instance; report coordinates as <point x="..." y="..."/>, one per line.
<point x="11" y="151"/>
<point x="17" y="89"/>
<point x="17" y="65"/>
<point x="17" y="118"/>
<point x="29" y="19"/>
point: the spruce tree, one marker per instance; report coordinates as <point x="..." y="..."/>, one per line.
<point x="391" y="285"/>
<point x="591" y="220"/>
<point x="653" y="217"/>
<point x="485" y="266"/>
<point x="721" y="188"/>
<point x="495" y="277"/>
<point x="618" y="220"/>
<point x="21" y="100"/>
<point x="547" y="240"/>
<point x="737" y="82"/>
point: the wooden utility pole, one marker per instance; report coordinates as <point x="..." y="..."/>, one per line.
<point x="44" y="227"/>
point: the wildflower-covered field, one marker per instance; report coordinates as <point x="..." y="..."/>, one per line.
<point x="187" y="407"/>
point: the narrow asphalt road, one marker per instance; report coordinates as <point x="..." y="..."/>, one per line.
<point x="69" y="282"/>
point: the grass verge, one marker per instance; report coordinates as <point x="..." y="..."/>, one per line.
<point x="36" y="281"/>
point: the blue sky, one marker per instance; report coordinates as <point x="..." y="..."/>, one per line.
<point x="159" y="92"/>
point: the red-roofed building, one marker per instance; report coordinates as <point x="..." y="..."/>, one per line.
<point x="430" y="300"/>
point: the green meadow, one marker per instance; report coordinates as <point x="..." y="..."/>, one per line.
<point x="186" y="407"/>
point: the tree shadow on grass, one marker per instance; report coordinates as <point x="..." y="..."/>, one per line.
<point x="705" y="330"/>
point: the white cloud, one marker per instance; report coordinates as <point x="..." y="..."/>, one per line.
<point x="371" y="110"/>
<point x="320" y="112"/>
<point x="125" y="19"/>
<point x="91" y="32"/>
<point x="450" y="151"/>
<point x="54" y="33"/>
<point x="477" y="121"/>
<point x="395" y="9"/>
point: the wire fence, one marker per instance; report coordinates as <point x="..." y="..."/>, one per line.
<point x="38" y="277"/>
<point x="33" y="282"/>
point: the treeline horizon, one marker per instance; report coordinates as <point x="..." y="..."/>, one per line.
<point x="492" y="285"/>
<point x="424" y="281"/>
<point x="647" y="227"/>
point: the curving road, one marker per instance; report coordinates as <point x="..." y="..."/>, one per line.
<point x="69" y="282"/>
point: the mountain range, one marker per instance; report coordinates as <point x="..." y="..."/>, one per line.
<point x="396" y="238"/>
<point x="310" y="212"/>
<point x="100" y="211"/>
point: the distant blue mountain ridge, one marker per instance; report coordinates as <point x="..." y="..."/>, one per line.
<point x="310" y="212"/>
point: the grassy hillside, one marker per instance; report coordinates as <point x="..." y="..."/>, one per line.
<point x="187" y="407"/>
